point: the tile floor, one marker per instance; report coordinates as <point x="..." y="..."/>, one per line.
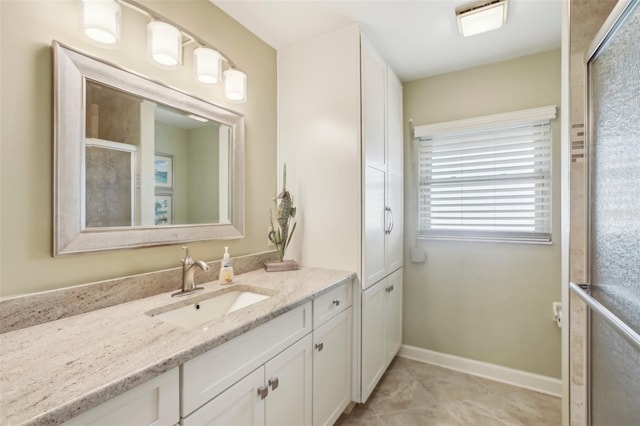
<point x="413" y="393"/>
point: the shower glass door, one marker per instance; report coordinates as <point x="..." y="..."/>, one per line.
<point x="614" y="137"/>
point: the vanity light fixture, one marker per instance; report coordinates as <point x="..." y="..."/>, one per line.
<point x="164" y="43"/>
<point x="235" y="85"/>
<point x="481" y="17"/>
<point x="101" y="21"/>
<point x="208" y="65"/>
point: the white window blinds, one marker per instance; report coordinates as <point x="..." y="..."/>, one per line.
<point x="491" y="182"/>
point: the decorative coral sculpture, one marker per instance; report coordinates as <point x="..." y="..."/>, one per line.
<point x="281" y="215"/>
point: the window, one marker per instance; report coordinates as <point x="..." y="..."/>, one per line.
<point x="487" y="178"/>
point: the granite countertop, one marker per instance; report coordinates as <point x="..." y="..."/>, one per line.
<point x="53" y="371"/>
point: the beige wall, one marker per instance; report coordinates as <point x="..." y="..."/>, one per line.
<point x="485" y="301"/>
<point x="26" y="31"/>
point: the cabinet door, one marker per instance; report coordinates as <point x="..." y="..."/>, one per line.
<point x="394" y="124"/>
<point x="332" y="369"/>
<point x="394" y="237"/>
<point x="393" y="315"/>
<point x="289" y="377"/>
<point x="240" y="405"/>
<point x="374" y="72"/>
<point x="375" y="223"/>
<point x="153" y="403"/>
<point x="373" y="327"/>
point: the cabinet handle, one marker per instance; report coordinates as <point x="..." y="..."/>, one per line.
<point x="387" y="228"/>
<point x="389" y="289"/>
<point x="391" y="225"/>
<point x="336" y="302"/>
<point x="319" y="346"/>
<point x="263" y="391"/>
<point x="274" y="383"/>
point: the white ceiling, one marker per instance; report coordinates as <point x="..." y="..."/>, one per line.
<point x="417" y="38"/>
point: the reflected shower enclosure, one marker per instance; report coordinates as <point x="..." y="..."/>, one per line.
<point x="139" y="153"/>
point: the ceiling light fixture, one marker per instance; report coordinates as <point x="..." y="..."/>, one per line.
<point x="101" y="21"/>
<point x="481" y="17"/>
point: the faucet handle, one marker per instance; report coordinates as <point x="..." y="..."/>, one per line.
<point x="188" y="260"/>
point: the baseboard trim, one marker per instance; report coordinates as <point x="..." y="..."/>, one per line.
<point x="523" y="379"/>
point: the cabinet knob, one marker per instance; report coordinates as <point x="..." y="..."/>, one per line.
<point x="274" y="383"/>
<point x="319" y="346"/>
<point x="336" y="302"/>
<point x="263" y="391"/>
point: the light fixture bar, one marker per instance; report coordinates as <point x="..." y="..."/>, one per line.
<point x="480" y="17"/>
<point x="131" y="4"/>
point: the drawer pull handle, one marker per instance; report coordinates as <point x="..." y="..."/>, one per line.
<point x="274" y="383"/>
<point x="263" y="391"/>
<point x="336" y="302"/>
<point x="319" y="346"/>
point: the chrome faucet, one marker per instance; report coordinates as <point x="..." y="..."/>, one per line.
<point x="188" y="270"/>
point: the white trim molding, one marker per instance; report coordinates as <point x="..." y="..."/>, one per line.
<point x="535" y="382"/>
<point x="488" y="121"/>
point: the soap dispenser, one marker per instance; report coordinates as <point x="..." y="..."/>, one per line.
<point x="226" y="270"/>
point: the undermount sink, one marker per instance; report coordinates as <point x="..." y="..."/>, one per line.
<point x="209" y="306"/>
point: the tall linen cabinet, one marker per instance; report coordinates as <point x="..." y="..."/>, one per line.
<point x="340" y="136"/>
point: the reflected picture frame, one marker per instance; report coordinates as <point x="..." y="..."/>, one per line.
<point x="163" y="171"/>
<point x="163" y="209"/>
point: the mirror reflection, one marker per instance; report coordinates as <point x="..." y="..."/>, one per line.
<point x="149" y="164"/>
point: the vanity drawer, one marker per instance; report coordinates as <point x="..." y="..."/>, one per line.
<point x="207" y="375"/>
<point x="331" y="303"/>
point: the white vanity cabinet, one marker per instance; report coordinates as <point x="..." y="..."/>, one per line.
<point x="294" y="370"/>
<point x="276" y="393"/>
<point x="382" y="336"/>
<point x="153" y="403"/>
<point x="340" y="130"/>
<point x="263" y="375"/>
<point x="332" y="359"/>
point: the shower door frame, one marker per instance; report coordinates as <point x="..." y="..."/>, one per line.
<point x="616" y="18"/>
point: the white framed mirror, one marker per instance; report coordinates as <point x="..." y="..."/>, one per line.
<point x="137" y="163"/>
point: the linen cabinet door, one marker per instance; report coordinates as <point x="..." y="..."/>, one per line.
<point x="289" y="377"/>
<point x="332" y="369"/>
<point x="373" y="84"/>
<point x="240" y="405"/>
<point x="375" y="225"/>
<point x="393" y="315"/>
<point x="394" y="125"/>
<point x="394" y="237"/>
<point x="373" y="337"/>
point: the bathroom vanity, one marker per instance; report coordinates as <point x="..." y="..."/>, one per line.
<point x="283" y="359"/>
